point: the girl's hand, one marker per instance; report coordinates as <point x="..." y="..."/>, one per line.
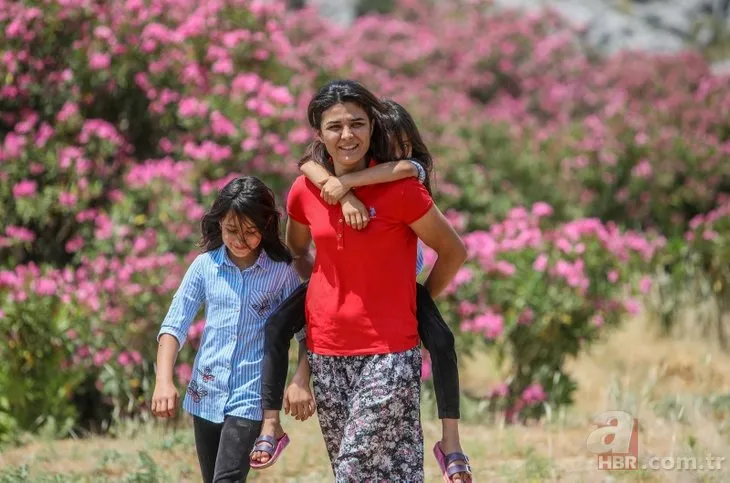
<point x="354" y="212"/>
<point x="165" y="400"/>
<point x="333" y="190"/>
<point x="298" y="400"/>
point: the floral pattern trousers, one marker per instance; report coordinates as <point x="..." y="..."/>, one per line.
<point x="369" y="410"/>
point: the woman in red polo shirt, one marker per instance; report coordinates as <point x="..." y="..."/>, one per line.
<point x="362" y="336"/>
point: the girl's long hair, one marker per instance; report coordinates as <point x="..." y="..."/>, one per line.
<point x="247" y="197"/>
<point x="401" y="129"/>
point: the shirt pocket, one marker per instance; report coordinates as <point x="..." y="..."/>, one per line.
<point x="262" y="303"/>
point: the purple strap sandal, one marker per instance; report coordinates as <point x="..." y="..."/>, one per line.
<point x="271" y="446"/>
<point x="445" y="463"/>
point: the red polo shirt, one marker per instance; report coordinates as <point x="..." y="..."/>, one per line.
<point x="361" y="298"/>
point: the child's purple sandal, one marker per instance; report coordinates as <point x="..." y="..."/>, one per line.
<point x="445" y="460"/>
<point x="271" y="446"/>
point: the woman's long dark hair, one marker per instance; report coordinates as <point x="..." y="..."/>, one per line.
<point x="339" y="92"/>
<point x="401" y="129"/>
<point x="247" y="197"/>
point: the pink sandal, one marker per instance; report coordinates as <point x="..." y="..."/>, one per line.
<point x="446" y="460"/>
<point x="269" y="445"/>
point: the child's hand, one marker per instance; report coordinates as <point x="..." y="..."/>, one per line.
<point x="165" y="400"/>
<point x="298" y="400"/>
<point x="333" y="190"/>
<point x="354" y="212"/>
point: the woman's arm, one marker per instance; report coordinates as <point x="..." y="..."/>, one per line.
<point x="436" y="232"/>
<point x="298" y="239"/>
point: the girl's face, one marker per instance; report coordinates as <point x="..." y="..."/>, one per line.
<point x="240" y="236"/>
<point x="345" y="132"/>
<point x="405" y="151"/>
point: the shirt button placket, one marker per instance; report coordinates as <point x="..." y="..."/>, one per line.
<point x="340" y="234"/>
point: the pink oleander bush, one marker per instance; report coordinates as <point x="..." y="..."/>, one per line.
<point x="700" y="273"/>
<point x="519" y="111"/>
<point x="120" y="120"/>
<point x="539" y="292"/>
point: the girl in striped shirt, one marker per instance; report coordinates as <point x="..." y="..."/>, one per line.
<point x="242" y="275"/>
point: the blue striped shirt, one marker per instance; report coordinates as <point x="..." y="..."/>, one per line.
<point x="226" y="378"/>
<point x="419" y="258"/>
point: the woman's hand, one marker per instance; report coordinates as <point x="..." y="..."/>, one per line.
<point x="165" y="400"/>
<point x="354" y="212"/>
<point x="333" y="190"/>
<point x="298" y="399"/>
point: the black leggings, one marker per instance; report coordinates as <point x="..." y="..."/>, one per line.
<point x="223" y="448"/>
<point x="437" y="338"/>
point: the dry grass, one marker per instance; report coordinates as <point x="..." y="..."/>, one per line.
<point x="665" y="383"/>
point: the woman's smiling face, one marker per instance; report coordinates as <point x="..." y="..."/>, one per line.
<point x="345" y="131"/>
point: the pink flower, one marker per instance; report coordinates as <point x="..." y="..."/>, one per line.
<point x="67" y="199"/>
<point x="246" y="83"/>
<point x="223" y="66"/>
<point x="102" y="357"/>
<point x="192" y="107"/>
<point x="490" y="323"/>
<point x="466" y="308"/>
<point x="541" y="209"/>
<point x="20" y="233"/>
<point x="280" y="95"/>
<point x="463" y="276"/>
<point x="124" y="359"/>
<point x="632" y="306"/>
<point x="498" y="391"/>
<point x="540" y="263"/>
<point x="505" y="268"/>
<point x="526" y="316"/>
<point x="184" y="373"/>
<point x="643" y="169"/>
<point x="74" y="244"/>
<point x="196" y="330"/>
<point x="597" y="320"/>
<point x="67" y="111"/>
<point x="612" y="276"/>
<point x="221" y="125"/>
<point x="300" y="135"/>
<point x="25" y="189"/>
<point x="645" y="285"/>
<point x="45" y="286"/>
<point x="533" y="394"/>
<point x="98" y="61"/>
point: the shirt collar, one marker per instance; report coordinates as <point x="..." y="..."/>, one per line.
<point x="220" y="257"/>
